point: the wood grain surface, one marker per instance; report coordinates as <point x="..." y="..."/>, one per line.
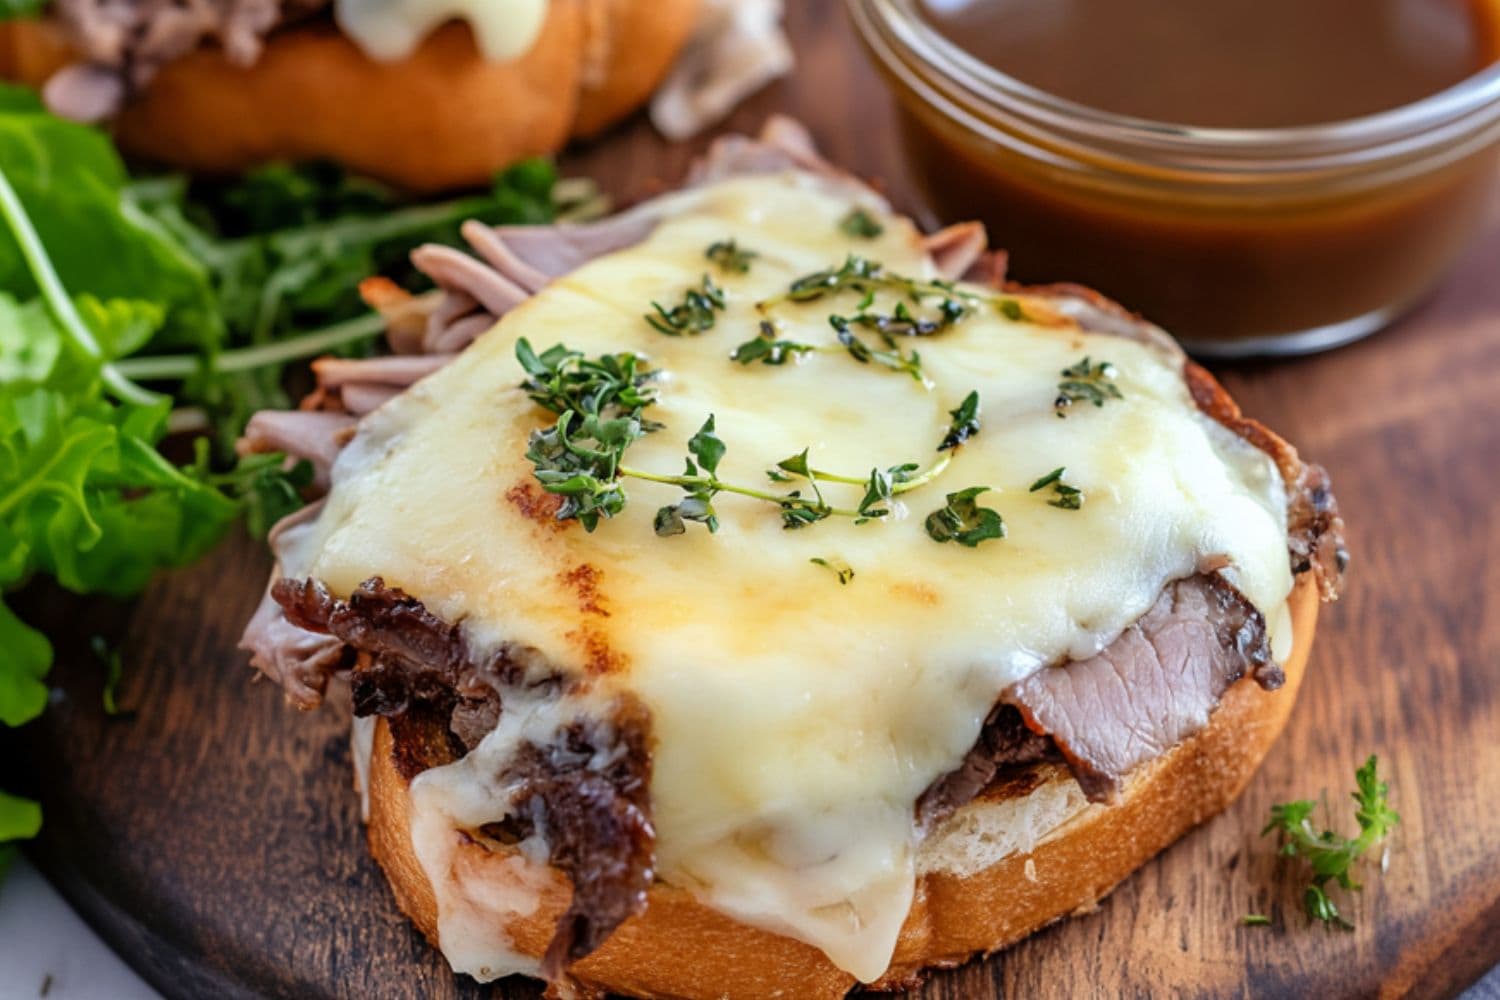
<point x="213" y="838"/>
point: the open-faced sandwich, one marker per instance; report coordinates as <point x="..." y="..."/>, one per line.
<point x="749" y="595"/>
<point x="419" y="93"/>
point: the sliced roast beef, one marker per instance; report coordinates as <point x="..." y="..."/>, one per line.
<point x="1152" y="687"/>
<point x="1004" y="743"/>
<point x="588" y="794"/>
<point x="1315" y="531"/>
<point x="405" y="654"/>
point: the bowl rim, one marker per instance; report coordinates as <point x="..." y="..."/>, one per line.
<point x="1470" y="106"/>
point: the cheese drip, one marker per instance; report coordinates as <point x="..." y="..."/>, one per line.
<point x="796" y="720"/>
<point x="392" y="29"/>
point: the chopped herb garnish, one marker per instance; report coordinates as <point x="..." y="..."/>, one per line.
<point x="840" y="568"/>
<point x="578" y="458"/>
<point x="562" y="380"/>
<point x="767" y="349"/>
<point x="861" y="225"/>
<point x="1330" y="856"/>
<point x="730" y="257"/>
<point x="962" y="520"/>
<point x="1086" y="382"/>
<point x="1064" y="496"/>
<point x="879" y="488"/>
<point x="892" y="357"/>
<point x="1255" y="920"/>
<point x="965" y="422"/>
<point x="1011" y="310"/>
<point x="693" y="315"/>
<point x="865" y="276"/>
<point x="709" y="450"/>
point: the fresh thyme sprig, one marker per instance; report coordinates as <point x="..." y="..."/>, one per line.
<point x="1064" y="497"/>
<point x="1330" y="856"/>
<point x="599" y="404"/>
<point x="701" y="483"/>
<point x="866" y="277"/>
<point x="1086" y="382"/>
<point x="860" y="224"/>
<point x="730" y="257"/>
<point x="693" y="315"/>
<point x="892" y="357"/>
<point x="882" y="485"/>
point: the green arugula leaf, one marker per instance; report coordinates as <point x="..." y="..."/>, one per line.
<point x="19" y="818"/>
<point x="71" y="183"/>
<point x="23" y="666"/>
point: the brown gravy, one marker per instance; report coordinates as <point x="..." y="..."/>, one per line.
<point x="1229" y="63"/>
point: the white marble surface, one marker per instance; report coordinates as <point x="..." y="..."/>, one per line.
<point x="46" y="950"/>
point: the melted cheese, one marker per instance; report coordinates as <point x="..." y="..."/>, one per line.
<point x="795" y="720"/>
<point x="392" y="29"/>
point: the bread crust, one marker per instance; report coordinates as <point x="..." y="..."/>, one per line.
<point x="630" y="47"/>
<point x="443" y="118"/>
<point x="681" y="948"/>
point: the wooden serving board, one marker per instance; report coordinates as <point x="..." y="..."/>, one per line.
<point x="213" y="837"/>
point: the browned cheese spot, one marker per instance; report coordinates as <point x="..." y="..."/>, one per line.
<point x="536" y="505"/>
<point x="583" y="582"/>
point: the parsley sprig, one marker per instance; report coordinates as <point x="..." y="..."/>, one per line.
<point x="1330" y="856"/>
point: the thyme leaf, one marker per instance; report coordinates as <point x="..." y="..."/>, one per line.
<point x="767" y="349"/>
<point x="892" y="357"/>
<point x="693" y="315"/>
<point x="861" y="225"/>
<point x="840" y="568"/>
<point x="1064" y="497"/>
<point x="562" y="380"/>
<point x="962" y="520"/>
<point x="730" y="257"/>
<point x="1086" y="382"/>
<point x="965" y="422"/>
